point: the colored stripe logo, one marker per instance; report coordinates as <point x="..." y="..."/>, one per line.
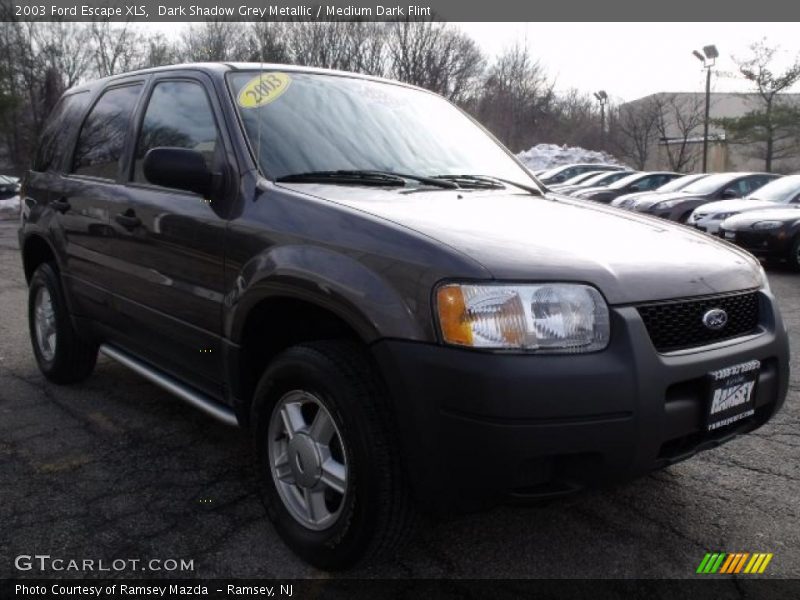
<point x="735" y="562"/>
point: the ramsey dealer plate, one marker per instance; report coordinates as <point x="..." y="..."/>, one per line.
<point x="732" y="397"/>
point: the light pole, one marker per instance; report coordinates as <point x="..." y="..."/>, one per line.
<point x="708" y="58"/>
<point x="602" y="98"/>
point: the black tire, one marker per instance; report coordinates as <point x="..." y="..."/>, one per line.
<point x="74" y="356"/>
<point x="794" y="254"/>
<point x="376" y="512"/>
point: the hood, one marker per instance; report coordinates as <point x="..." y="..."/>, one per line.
<point x="725" y="206"/>
<point x="653" y="199"/>
<point x="744" y="221"/>
<point x="590" y="190"/>
<point x="633" y="197"/>
<point x="519" y="237"/>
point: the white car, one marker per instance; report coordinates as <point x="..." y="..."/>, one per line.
<point x="9" y="207"/>
<point x="776" y="194"/>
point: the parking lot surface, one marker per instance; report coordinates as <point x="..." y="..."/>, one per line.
<point x="115" y="468"/>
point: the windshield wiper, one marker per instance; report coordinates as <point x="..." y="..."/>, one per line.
<point x="364" y="177"/>
<point x="487" y="182"/>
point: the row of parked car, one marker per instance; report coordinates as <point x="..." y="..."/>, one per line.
<point x="9" y="196"/>
<point x="758" y="211"/>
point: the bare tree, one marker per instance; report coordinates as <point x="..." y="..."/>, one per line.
<point x="211" y="41"/>
<point x="435" y="56"/>
<point x="772" y="127"/>
<point x="680" y="119"/>
<point x="117" y="49"/>
<point x="635" y="130"/>
<point x="517" y="95"/>
<point x="347" y="45"/>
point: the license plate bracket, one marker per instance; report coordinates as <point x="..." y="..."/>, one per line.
<point x="732" y="394"/>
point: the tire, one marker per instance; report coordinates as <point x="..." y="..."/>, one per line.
<point x="794" y="254"/>
<point x="63" y="355"/>
<point x="374" y="514"/>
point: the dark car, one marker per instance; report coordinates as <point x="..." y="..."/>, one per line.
<point x="636" y="182"/>
<point x="385" y="299"/>
<point x="574" y="181"/>
<point x="9" y="187"/>
<point x="598" y="179"/>
<point x="678" y="206"/>
<point x="772" y="234"/>
<point x="628" y="201"/>
<point x="564" y="172"/>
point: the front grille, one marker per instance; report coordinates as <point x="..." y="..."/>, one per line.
<point x="678" y="324"/>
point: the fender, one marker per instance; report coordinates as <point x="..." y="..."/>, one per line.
<point x="331" y="280"/>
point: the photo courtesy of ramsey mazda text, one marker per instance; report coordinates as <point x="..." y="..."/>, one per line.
<point x="403" y="318"/>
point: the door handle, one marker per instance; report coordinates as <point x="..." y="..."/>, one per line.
<point x="128" y="221"/>
<point x="61" y="205"/>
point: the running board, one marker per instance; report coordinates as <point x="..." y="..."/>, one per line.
<point x="197" y="400"/>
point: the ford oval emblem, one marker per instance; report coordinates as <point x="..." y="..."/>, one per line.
<point x="715" y="319"/>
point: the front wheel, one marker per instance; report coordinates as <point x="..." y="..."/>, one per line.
<point x="331" y="476"/>
<point x="63" y="355"/>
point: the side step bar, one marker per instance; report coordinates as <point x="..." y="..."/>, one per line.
<point x="197" y="400"/>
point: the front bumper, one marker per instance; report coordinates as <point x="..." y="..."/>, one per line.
<point x="479" y="428"/>
<point x="765" y="244"/>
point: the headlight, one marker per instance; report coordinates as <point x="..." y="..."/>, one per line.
<point x="666" y="204"/>
<point x="722" y="216"/>
<point x="557" y="317"/>
<point x="767" y="224"/>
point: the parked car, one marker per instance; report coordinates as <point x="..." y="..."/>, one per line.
<point x="382" y="295"/>
<point x="598" y="180"/>
<point x="636" y="182"/>
<point x="772" y="234"/>
<point x="776" y="194"/>
<point x="627" y="201"/>
<point x="677" y="206"/>
<point x="574" y="181"/>
<point x="9" y="187"/>
<point x="564" y="172"/>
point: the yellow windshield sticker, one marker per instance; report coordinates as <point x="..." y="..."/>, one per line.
<point x="263" y="89"/>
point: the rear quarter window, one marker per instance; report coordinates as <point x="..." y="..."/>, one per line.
<point x="54" y="138"/>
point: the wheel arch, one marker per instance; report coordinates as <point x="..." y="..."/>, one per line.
<point x="37" y="249"/>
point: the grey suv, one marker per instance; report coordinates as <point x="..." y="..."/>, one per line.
<point x="400" y="315"/>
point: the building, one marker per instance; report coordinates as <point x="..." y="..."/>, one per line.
<point x="670" y="127"/>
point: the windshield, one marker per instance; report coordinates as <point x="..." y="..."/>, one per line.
<point x="709" y="184"/>
<point x="621" y="183"/>
<point x="603" y="178"/>
<point x="780" y="190"/>
<point x="305" y="123"/>
<point x="680" y="183"/>
<point x="582" y="177"/>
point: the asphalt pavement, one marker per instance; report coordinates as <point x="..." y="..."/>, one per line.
<point x="114" y="468"/>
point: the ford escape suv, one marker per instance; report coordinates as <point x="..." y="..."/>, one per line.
<point x="401" y="316"/>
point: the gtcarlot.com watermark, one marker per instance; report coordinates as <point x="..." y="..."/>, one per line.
<point x="48" y="563"/>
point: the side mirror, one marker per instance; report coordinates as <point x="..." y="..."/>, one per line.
<point x="634" y="188"/>
<point x="178" y="168"/>
<point x="729" y="195"/>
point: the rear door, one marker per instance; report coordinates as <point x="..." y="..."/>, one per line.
<point x="168" y="245"/>
<point x="80" y="197"/>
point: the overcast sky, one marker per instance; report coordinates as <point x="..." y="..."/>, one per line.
<point x="630" y="60"/>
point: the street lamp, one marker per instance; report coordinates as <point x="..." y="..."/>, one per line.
<point x="602" y="98"/>
<point x="708" y="58"/>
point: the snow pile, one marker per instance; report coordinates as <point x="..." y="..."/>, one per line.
<point x="9" y="208"/>
<point x="546" y="156"/>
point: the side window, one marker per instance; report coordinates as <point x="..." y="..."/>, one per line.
<point x="753" y="184"/>
<point x="56" y="133"/>
<point x="102" y="136"/>
<point x="179" y="116"/>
